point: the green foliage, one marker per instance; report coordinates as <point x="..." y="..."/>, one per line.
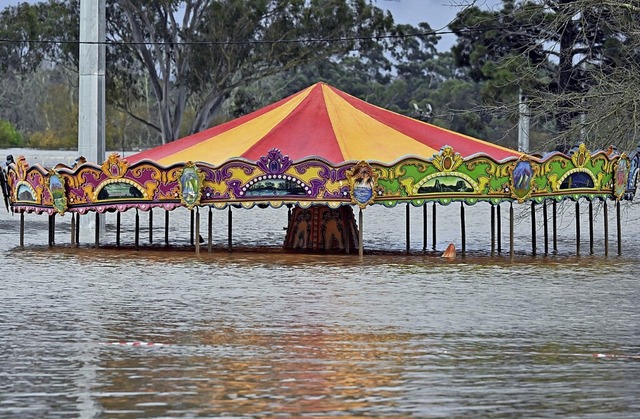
<point x="9" y="135"/>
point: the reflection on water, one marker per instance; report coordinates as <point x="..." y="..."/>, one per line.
<point x="273" y="333"/>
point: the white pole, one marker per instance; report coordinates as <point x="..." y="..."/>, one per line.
<point x="523" y="123"/>
<point x="91" y="84"/>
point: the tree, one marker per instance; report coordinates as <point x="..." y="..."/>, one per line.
<point x="197" y="52"/>
<point x="558" y="52"/>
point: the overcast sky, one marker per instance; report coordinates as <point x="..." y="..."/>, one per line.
<point x="437" y="13"/>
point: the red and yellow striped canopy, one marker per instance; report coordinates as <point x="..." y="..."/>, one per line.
<point x="320" y="121"/>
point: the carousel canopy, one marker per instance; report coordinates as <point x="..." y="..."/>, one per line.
<point x="320" y="121"/>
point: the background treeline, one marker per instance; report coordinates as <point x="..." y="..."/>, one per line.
<point x="175" y="67"/>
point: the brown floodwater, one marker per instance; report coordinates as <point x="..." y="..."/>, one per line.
<point x="155" y="332"/>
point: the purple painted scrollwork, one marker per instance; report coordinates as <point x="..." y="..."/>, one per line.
<point x="274" y="163"/>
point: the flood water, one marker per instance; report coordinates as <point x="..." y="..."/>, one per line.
<point x="131" y="333"/>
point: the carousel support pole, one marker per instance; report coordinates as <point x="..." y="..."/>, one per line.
<point x="433" y="231"/>
<point x="533" y="228"/>
<point x="499" y="231"/>
<point x="619" y="221"/>
<point x="150" y="225"/>
<point x="463" y="232"/>
<point x="408" y="227"/>
<point x="555" y="226"/>
<point x="229" y="229"/>
<point x="22" y="229"/>
<point x="77" y="229"/>
<point x="197" y="230"/>
<point x="118" y="225"/>
<point x="137" y="232"/>
<point x="97" y="231"/>
<point x="360" y="235"/>
<point x="51" y="229"/>
<point x="493" y="230"/>
<point x="590" y="227"/>
<point x="545" y="216"/>
<point x="192" y="225"/>
<point x="73" y="228"/>
<point x="606" y="228"/>
<point x="166" y="227"/>
<point x="424" y="227"/>
<point x="511" y="230"/>
<point x="210" y="232"/>
<point x="578" y="228"/>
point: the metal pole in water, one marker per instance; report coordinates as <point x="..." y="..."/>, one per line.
<point x="555" y="227"/>
<point x="606" y="227"/>
<point x="166" y="227"/>
<point x="493" y="230"/>
<point x="511" y="230"/>
<point x="118" y="224"/>
<point x="22" y="229"/>
<point x="578" y="228"/>
<point x="360" y="235"/>
<point x="51" y="229"/>
<point x="197" y="230"/>
<point x="590" y="227"/>
<point x="192" y="225"/>
<point x="137" y="232"/>
<point x="499" y="231"/>
<point x="210" y="232"/>
<point x="619" y="228"/>
<point x="545" y="216"/>
<point x="73" y="228"/>
<point x="150" y="225"/>
<point x="408" y="227"/>
<point x="433" y="231"/>
<point x="533" y="228"/>
<point x="463" y="231"/>
<point x="77" y="229"/>
<point x="97" y="230"/>
<point x="424" y="227"/>
<point x="229" y="229"/>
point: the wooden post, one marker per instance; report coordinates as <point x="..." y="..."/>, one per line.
<point x="511" y="230"/>
<point x="360" y="235"/>
<point x="533" y="228"/>
<point x="606" y="227"/>
<point x="118" y="223"/>
<point x="137" y="232"/>
<point x="197" y="230"/>
<point x="590" y="227"/>
<point x="424" y="227"/>
<point x="463" y="231"/>
<point x="499" y="226"/>
<point x="493" y="230"/>
<point x="150" y="225"/>
<point x="229" y="229"/>
<point x="545" y="216"/>
<point x="22" y="229"/>
<point x="555" y="226"/>
<point x="578" y="228"/>
<point x="73" y="229"/>
<point x="408" y="227"/>
<point x="166" y="227"/>
<point x="210" y="232"/>
<point x="433" y="231"/>
<point x="619" y="228"/>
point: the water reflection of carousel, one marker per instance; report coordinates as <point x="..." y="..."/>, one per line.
<point x="321" y="152"/>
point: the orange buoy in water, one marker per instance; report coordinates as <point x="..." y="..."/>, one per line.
<point x="450" y="252"/>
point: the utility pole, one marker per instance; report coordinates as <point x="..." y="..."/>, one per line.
<point x="91" y="83"/>
<point x="523" y="123"/>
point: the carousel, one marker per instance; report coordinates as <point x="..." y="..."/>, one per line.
<point x="323" y="153"/>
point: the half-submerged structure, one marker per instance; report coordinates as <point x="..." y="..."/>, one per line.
<point x="322" y="152"/>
